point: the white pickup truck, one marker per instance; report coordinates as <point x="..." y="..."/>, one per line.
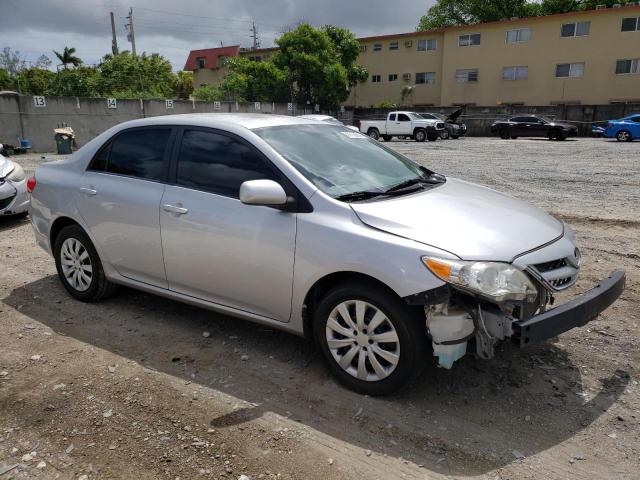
<point x="403" y="124"/>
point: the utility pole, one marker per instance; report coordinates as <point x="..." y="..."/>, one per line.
<point x="114" y="41"/>
<point x="254" y="35"/>
<point x="131" y="35"/>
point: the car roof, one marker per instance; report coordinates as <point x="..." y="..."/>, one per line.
<point x="317" y="116"/>
<point x="244" y="120"/>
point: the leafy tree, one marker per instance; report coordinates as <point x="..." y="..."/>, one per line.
<point x="208" y="93"/>
<point x="12" y="61"/>
<point x="183" y="85"/>
<point x="77" y="82"/>
<point x="36" y="81"/>
<point x="67" y="57"/>
<point x="253" y="81"/>
<point x="7" y="82"/>
<point x="446" y="13"/>
<point x="319" y="64"/>
<point x="42" y="62"/>
<point x="348" y="49"/>
<point x="127" y="76"/>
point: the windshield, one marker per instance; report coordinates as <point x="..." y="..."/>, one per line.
<point x="437" y="115"/>
<point x="545" y="119"/>
<point x="415" y="116"/>
<point x="340" y="161"/>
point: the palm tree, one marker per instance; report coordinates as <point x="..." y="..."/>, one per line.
<point x="67" y="57"/>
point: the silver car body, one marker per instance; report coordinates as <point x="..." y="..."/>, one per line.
<point x="260" y="263"/>
<point x="327" y="119"/>
<point x="14" y="199"/>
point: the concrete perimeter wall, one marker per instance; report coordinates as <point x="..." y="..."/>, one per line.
<point x="21" y="118"/>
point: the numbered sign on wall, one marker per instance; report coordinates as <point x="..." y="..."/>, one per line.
<point x="169" y="104"/>
<point x="317" y="109"/>
<point x="341" y="108"/>
<point x="257" y="106"/>
<point x="216" y="105"/>
<point x="39" y="101"/>
<point x="112" y="103"/>
<point x="290" y="106"/>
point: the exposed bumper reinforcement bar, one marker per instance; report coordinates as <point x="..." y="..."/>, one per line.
<point x="575" y="313"/>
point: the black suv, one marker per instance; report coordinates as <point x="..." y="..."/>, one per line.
<point x="533" y="126"/>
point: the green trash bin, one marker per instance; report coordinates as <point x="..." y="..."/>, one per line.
<point x="63" y="143"/>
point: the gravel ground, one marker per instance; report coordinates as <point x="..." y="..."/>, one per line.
<point x="139" y="386"/>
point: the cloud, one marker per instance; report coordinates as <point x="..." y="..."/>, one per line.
<point x="173" y="28"/>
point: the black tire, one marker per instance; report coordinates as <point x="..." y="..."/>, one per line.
<point x="504" y="134"/>
<point x="387" y="138"/>
<point x="420" y="135"/>
<point x="409" y="325"/>
<point x="99" y="287"/>
<point x="444" y="135"/>
<point x="624" y="136"/>
<point x="514" y="137"/>
<point x="455" y="137"/>
<point x="374" y="133"/>
<point x="554" y="134"/>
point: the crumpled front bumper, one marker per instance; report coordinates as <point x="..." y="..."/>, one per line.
<point x="574" y="313"/>
<point x="14" y="198"/>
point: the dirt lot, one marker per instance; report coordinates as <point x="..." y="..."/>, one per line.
<point x="139" y="386"/>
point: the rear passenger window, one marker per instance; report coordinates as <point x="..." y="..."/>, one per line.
<point x="218" y="163"/>
<point x="99" y="162"/>
<point x="139" y="153"/>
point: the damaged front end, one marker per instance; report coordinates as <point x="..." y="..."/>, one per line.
<point x="485" y="302"/>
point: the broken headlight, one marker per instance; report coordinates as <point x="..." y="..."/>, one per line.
<point x="494" y="280"/>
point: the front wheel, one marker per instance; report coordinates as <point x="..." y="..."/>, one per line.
<point x="386" y="138"/>
<point x="371" y="341"/>
<point x="444" y="135"/>
<point x="420" y="135"/>
<point x="79" y="266"/>
<point x="624" y="136"/>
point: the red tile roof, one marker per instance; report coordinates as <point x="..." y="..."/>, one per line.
<point x="211" y="56"/>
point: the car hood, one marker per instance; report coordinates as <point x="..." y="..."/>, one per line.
<point x="470" y="221"/>
<point x="562" y="124"/>
<point x="6" y="166"/>
<point x="453" y="118"/>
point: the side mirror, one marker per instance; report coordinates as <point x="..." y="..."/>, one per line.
<point x="262" y="192"/>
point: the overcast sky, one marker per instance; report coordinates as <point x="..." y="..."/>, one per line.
<point x="172" y="27"/>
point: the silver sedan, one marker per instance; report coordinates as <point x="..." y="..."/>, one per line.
<point x="315" y="229"/>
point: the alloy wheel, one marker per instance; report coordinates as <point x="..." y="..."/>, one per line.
<point x="623" y="136"/>
<point x="76" y="264"/>
<point x="362" y="340"/>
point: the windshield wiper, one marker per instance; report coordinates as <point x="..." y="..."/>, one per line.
<point x="363" y="195"/>
<point x="433" y="180"/>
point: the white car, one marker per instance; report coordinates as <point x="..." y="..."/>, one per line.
<point x="327" y="119"/>
<point x="14" y="199"/>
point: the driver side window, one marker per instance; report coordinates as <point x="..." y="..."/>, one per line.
<point x="403" y="117"/>
<point x="219" y="163"/>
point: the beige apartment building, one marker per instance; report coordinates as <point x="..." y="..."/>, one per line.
<point x="590" y="57"/>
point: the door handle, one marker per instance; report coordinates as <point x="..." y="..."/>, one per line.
<point x="88" y="191"/>
<point x="174" y="209"/>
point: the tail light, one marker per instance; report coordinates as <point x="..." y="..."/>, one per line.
<point x="31" y="184"/>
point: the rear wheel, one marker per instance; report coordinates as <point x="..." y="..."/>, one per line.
<point x="371" y="340"/>
<point x="504" y="134"/>
<point x="386" y="138"/>
<point x="624" y="136"/>
<point x="374" y="133"/>
<point x="79" y="266"/>
<point x="554" y="134"/>
<point x="420" y="135"/>
<point x="444" y="135"/>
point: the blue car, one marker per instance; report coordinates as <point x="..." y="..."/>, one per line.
<point x="625" y="129"/>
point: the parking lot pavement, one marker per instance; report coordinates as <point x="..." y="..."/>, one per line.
<point x="142" y="386"/>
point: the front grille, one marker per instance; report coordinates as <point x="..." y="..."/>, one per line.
<point x="439" y="125"/>
<point x="556" y="274"/>
<point x="5" y="202"/>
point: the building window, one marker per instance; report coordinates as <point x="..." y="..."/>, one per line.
<point x="393" y="77"/>
<point x="393" y="46"/>
<point x="580" y="29"/>
<point x="468" y="40"/>
<point x="628" y="66"/>
<point x="465" y="75"/>
<point x="222" y="61"/>
<point x="427" y="45"/>
<point x="631" y="24"/>
<point x="428" y="78"/>
<point x="515" y="73"/>
<point x="363" y="48"/>
<point x="202" y="62"/>
<point x="376" y="78"/>
<point x="377" y="47"/>
<point x="564" y="70"/>
<point x="519" y="35"/>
